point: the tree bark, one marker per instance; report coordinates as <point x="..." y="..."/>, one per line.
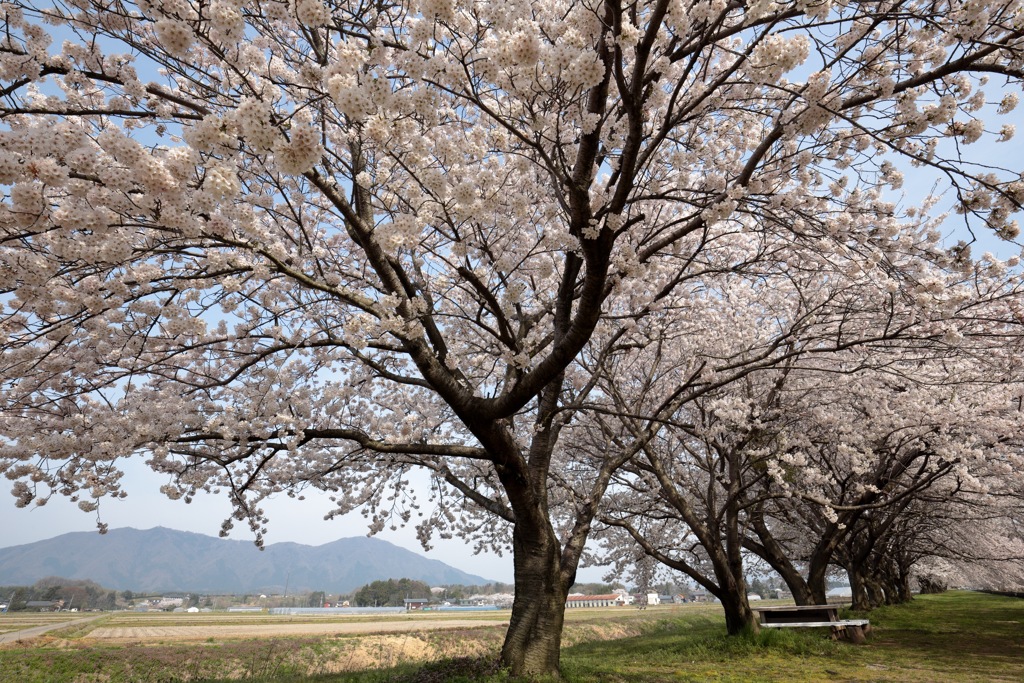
<point x="903" y="591"/>
<point x="877" y="596"/>
<point x="534" y="637"/>
<point x="768" y="549"/>
<point x="817" y="571"/>
<point x="859" y="590"/>
<point x="739" y="618"/>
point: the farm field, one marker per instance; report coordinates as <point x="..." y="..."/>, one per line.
<point x="950" y="637"/>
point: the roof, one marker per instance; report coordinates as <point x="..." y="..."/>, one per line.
<point x="607" y="596"/>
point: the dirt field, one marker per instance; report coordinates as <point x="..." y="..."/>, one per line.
<point x="131" y="647"/>
<point x="200" y="631"/>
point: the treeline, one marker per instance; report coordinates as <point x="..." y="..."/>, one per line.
<point x="390" y="593"/>
<point x="79" y="594"/>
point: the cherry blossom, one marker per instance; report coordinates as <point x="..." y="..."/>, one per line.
<point x="273" y="245"/>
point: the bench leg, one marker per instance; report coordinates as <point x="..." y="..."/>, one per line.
<point x="856" y="635"/>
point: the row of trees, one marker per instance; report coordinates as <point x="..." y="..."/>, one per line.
<point x="76" y="594"/>
<point x="390" y="593"/>
<point x="881" y="471"/>
<point x="633" y="269"/>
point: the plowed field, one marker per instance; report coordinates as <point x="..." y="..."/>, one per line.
<point x="251" y="630"/>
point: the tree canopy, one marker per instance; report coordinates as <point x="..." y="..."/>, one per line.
<point x="390" y="593"/>
<point x="270" y="245"/>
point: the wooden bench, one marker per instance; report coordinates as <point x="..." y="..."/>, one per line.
<point x="814" y="616"/>
<point x="854" y="629"/>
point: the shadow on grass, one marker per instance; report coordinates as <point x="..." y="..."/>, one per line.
<point x="959" y="633"/>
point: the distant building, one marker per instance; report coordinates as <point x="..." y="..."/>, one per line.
<point x="416" y="603"/>
<point x="45" y="605"/>
<point x="499" y="600"/>
<point x="608" y="600"/>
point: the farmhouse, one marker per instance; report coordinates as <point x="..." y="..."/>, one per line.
<point x="609" y="600"/>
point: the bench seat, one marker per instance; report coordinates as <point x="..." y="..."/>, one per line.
<point x="854" y="628"/>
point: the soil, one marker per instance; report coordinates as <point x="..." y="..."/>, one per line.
<point x="231" y="631"/>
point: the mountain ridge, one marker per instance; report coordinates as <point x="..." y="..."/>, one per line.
<point x="162" y="559"/>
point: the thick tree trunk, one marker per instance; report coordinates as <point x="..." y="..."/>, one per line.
<point x="903" y="591"/>
<point x="858" y="586"/>
<point x="739" y="618"/>
<point x="534" y="636"/>
<point x="816" y="581"/>
<point x="877" y="595"/>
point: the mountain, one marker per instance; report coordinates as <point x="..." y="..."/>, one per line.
<point x="167" y="560"/>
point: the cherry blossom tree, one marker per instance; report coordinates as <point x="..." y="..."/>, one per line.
<point x="967" y="526"/>
<point x="272" y="245"/>
<point x="827" y="455"/>
<point x="928" y="436"/>
<point x="975" y="550"/>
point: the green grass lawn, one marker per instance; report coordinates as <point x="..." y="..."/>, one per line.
<point x="956" y="636"/>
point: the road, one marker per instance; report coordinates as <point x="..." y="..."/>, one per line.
<point x="27" y="633"/>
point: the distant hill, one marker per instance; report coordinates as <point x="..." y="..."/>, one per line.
<point x="167" y="560"/>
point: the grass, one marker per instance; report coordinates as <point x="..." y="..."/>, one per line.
<point x="956" y="636"/>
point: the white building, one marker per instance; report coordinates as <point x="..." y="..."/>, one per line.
<point x="607" y="600"/>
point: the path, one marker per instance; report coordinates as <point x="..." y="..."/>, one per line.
<point x="27" y="633"/>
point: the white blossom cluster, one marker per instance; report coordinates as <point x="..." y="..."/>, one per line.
<point x="174" y="36"/>
<point x="777" y="55"/>
<point x="299" y="153"/>
<point x="312" y="13"/>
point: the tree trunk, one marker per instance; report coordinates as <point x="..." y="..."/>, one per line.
<point x="769" y="550"/>
<point x="739" y="618"/>
<point x="816" y="581"/>
<point x="859" y="590"/>
<point x="534" y="637"/>
<point x="903" y="590"/>
<point x="876" y="594"/>
<point x="798" y="587"/>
